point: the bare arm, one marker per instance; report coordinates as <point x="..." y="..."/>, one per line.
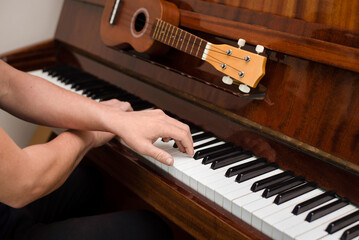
<point x="36" y="100"/>
<point x="30" y="173"/>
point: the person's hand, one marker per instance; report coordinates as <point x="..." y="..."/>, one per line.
<point x="140" y="129"/>
<point x="100" y="138"/>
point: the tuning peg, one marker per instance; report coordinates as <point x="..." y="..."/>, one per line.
<point x="227" y="80"/>
<point x="244" y="88"/>
<point x="241" y="42"/>
<point x="259" y="49"/>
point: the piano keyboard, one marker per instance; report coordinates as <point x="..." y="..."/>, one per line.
<point x="276" y="202"/>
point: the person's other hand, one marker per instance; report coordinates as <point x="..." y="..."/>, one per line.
<point x="140" y="129"/>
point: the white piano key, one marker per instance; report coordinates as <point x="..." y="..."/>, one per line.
<point x="231" y="190"/>
<point x="182" y="162"/>
<point x="338" y="234"/>
<point x="209" y="173"/>
<point x="238" y="203"/>
<point x="54" y="80"/>
<point x="263" y="218"/>
<point x="305" y="226"/>
<point x="279" y="228"/>
<point x="207" y="181"/>
<point x="319" y="232"/>
<point x="235" y="197"/>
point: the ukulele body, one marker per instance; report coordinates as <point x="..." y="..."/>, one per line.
<point x="133" y="23"/>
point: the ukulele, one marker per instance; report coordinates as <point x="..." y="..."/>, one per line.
<point x="146" y="25"/>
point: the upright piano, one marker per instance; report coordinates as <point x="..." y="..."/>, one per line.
<point x="301" y="119"/>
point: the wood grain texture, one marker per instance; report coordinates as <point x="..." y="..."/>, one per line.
<point x="308" y="40"/>
<point x="338" y="14"/>
<point x="174" y="201"/>
<point x="308" y="101"/>
<point x="309" y="107"/>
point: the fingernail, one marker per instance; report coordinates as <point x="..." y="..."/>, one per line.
<point x="169" y="161"/>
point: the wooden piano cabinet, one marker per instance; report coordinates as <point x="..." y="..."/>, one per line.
<point x="308" y="121"/>
<point x="185" y="208"/>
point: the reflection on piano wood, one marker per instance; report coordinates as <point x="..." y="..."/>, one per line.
<point x="307" y="123"/>
<point x="276" y="202"/>
<point x="145" y="24"/>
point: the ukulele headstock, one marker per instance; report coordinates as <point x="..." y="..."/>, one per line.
<point x="241" y="67"/>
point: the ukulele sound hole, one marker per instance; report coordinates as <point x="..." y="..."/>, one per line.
<point x="140" y="22"/>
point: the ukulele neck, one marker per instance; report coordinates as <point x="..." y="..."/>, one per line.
<point x="177" y="38"/>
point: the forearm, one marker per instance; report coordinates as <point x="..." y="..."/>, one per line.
<point x="38" y="101"/>
<point x="37" y="170"/>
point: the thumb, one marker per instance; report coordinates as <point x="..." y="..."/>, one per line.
<point x="160" y="155"/>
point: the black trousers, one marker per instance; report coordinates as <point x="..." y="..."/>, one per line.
<point x="70" y="213"/>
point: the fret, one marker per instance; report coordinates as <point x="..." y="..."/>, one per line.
<point x="156" y="31"/>
<point x="164" y="33"/>
<point x="199" y="46"/>
<point x="188" y="42"/>
<point x="193" y="45"/>
<point x="159" y="31"/>
<point x="174" y="37"/>
<point x="167" y="32"/>
<point x="178" y="38"/>
<point x="184" y="38"/>
<point x="171" y="36"/>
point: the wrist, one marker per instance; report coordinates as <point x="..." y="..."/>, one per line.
<point x="84" y="138"/>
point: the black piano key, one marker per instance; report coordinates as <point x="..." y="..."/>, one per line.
<point x="295" y="192"/>
<point x="227" y="161"/>
<point x="350" y="233"/>
<point x="104" y="88"/>
<point x="201" y="136"/>
<point x="256" y="172"/>
<point x="282" y="186"/>
<point x="142" y="106"/>
<point x="329" y="208"/>
<point x="197" y="138"/>
<point x="221" y="155"/>
<point x="245" y="167"/>
<point x="207" y="143"/>
<point x="261" y="184"/>
<point x="84" y="85"/>
<point x="194" y="129"/>
<point x="204" y="152"/>
<point x="342" y="222"/>
<point x="313" y="202"/>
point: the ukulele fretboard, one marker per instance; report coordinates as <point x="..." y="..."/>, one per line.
<point x="179" y="39"/>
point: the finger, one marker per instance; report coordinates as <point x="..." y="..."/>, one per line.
<point x="181" y="148"/>
<point x="159" y="155"/>
<point x="166" y="139"/>
<point x="126" y="106"/>
<point x="183" y="138"/>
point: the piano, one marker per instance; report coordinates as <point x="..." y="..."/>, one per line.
<point x="278" y="162"/>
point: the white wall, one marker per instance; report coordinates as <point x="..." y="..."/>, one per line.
<point x="23" y="23"/>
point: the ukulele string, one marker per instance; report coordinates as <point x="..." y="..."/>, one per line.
<point x="140" y="23"/>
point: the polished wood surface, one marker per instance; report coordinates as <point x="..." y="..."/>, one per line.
<point x="306" y="101"/>
<point x="131" y="29"/>
<point x="151" y="27"/>
<point x="308" y="121"/>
